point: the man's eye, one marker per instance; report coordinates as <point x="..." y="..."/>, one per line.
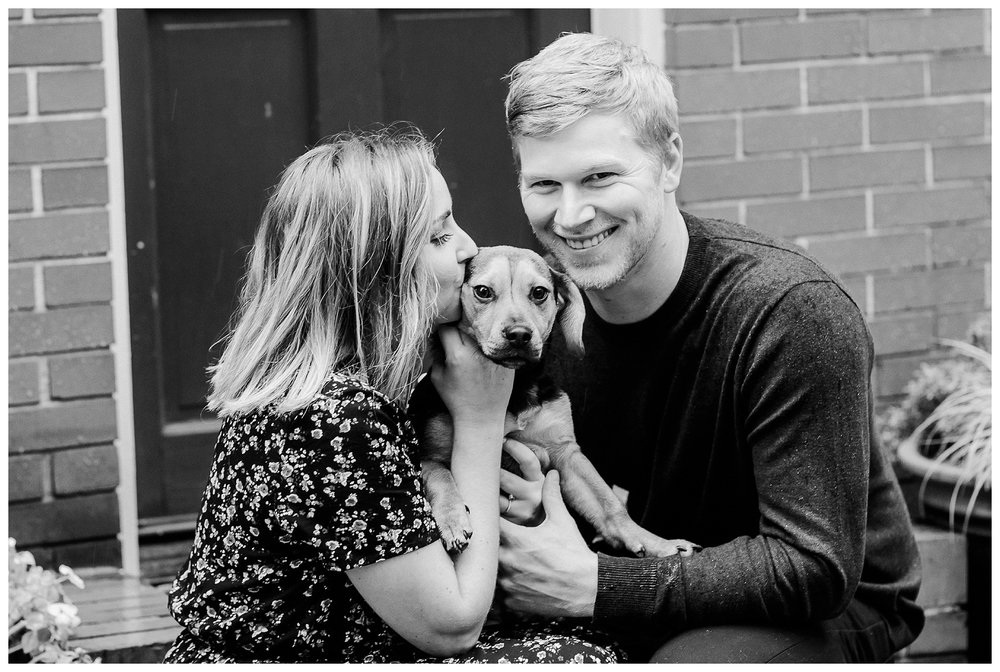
<point x="597" y="177"/>
<point x="539" y="294"/>
<point x="543" y="184"/>
<point x="482" y="292"/>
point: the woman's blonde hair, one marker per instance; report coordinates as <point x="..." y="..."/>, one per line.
<point x="334" y="280"/>
<point x="581" y="73"/>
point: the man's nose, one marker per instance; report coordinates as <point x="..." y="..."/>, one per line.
<point x="573" y="210"/>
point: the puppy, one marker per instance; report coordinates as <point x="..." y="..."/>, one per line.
<point x="510" y="301"/>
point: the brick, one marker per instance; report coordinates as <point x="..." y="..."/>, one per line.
<point x="84" y="375"/>
<point x="926" y="288"/>
<point x="702" y="46"/>
<point x="709" y="138"/>
<point x="956" y="325"/>
<point x="19" y="196"/>
<point x="806" y="130"/>
<point x="864" y="82"/>
<point x="730" y="213"/>
<point x="968" y="161"/>
<point x="13" y="14"/>
<point x="909" y="332"/>
<point x="793" y="41"/>
<point x="790" y="219"/>
<point x="866" y="169"/>
<point x="960" y="75"/>
<point x="864" y="253"/>
<point x="39" y="142"/>
<point x="25" y="477"/>
<point x="75" y="424"/>
<point x="943" y="567"/>
<point x="84" y="470"/>
<point x="21" y="290"/>
<point x="960" y="243"/>
<point x="77" y="90"/>
<point x="17" y="94"/>
<point x="944" y="631"/>
<point x="759" y="177"/>
<point x="52" y="13"/>
<point x="22" y="382"/>
<point x="727" y="91"/>
<point x="58" y="236"/>
<point x="895" y="372"/>
<point x="712" y="15"/>
<point x="931" y="207"/>
<point x="928" y="122"/>
<point x="75" y="284"/>
<point x="936" y="32"/>
<point x="90" y="553"/>
<point x="54" y="43"/>
<point x="62" y="520"/>
<point x="74" y="187"/>
<point x="62" y="330"/>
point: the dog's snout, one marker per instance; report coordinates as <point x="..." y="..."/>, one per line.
<point x="517" y="336"/>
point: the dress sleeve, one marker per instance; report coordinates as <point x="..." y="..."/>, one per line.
<point x="356" y="497"/>
<point x="805" y="395"/>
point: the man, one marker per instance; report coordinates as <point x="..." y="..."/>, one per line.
<point x="725" y="388"/>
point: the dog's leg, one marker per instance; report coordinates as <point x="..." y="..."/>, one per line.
<point x="450" y="512"/>
<point x="587" y="493"/>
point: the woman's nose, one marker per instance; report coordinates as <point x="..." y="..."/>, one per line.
<point x="467" y="248"/>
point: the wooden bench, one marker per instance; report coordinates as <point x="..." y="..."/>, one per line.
<point x="122" y="620"/>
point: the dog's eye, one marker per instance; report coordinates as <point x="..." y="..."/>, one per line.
<point x="539" y="294"/>
<point x="482" y="292"/>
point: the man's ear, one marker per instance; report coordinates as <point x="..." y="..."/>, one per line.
<point x="572" y="312"/>
<point x="673" y="162"/>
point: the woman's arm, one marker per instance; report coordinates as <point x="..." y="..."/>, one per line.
<point x="436" y="602"/>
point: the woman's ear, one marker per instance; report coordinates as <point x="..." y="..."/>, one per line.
<point x="571" y="311"/>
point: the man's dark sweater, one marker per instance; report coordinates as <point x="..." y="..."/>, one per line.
<point x="739" y="416"/>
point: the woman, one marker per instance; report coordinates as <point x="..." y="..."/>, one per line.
<point x="314" y="541"/>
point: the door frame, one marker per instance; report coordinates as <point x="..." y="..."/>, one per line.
<point x="130" y="30"/>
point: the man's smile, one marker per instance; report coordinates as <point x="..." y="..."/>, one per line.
<point x="586" y="243"/>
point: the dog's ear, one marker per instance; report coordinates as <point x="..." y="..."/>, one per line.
<point x="571" y="311"/>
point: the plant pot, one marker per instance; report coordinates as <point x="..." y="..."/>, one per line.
<point x="945" y="493"/>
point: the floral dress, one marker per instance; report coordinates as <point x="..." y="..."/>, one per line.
<point x="295" y="500"/>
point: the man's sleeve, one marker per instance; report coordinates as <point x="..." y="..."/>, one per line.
<point x="805" y="401"/>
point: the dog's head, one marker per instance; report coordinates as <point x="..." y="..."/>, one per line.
<point x="510" y="301"/>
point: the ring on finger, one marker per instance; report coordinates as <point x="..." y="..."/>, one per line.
<point x="510" y="500"/>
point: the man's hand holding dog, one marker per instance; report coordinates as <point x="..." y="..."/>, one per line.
<point x="548" y="569"/>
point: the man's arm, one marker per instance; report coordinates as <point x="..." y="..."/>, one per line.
<point x="805" y="395"/>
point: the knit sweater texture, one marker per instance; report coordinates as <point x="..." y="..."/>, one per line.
<point x="739" y="416"/>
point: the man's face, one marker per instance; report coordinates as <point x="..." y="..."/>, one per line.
<point x="594" y="197"/>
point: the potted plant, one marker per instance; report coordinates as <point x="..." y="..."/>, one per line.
<point x="40" y="618"/>
<point x="942" y="433"/>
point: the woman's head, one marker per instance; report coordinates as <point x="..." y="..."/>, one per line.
<point x="339" y="274"/>
<point x="581" y="73"/>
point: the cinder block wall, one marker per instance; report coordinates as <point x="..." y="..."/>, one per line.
<point x="861" y="135"/>
<point x="63" y="467"/>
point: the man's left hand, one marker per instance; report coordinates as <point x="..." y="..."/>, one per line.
<point x="548" y="569"/>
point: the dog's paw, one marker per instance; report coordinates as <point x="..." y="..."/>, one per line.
<point x="456" y="529"/>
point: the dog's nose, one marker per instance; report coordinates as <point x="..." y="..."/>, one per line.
<point x="519" y="336"/>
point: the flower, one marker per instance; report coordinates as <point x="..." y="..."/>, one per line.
<point x="41" y="618"/>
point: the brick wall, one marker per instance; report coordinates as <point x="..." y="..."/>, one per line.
<point x="861" y="135"/>
<point x="63" y="466"/>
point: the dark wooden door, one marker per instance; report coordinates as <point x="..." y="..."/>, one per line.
<point x="215" y="103"/>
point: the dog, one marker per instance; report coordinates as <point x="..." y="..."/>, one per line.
<point x="511" y="299"/>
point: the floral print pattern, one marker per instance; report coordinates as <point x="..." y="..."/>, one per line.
<point x="293" y="501"/>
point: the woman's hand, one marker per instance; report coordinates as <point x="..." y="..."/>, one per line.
<point x="524" y="506"/>
<point x="472" y="387"/>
